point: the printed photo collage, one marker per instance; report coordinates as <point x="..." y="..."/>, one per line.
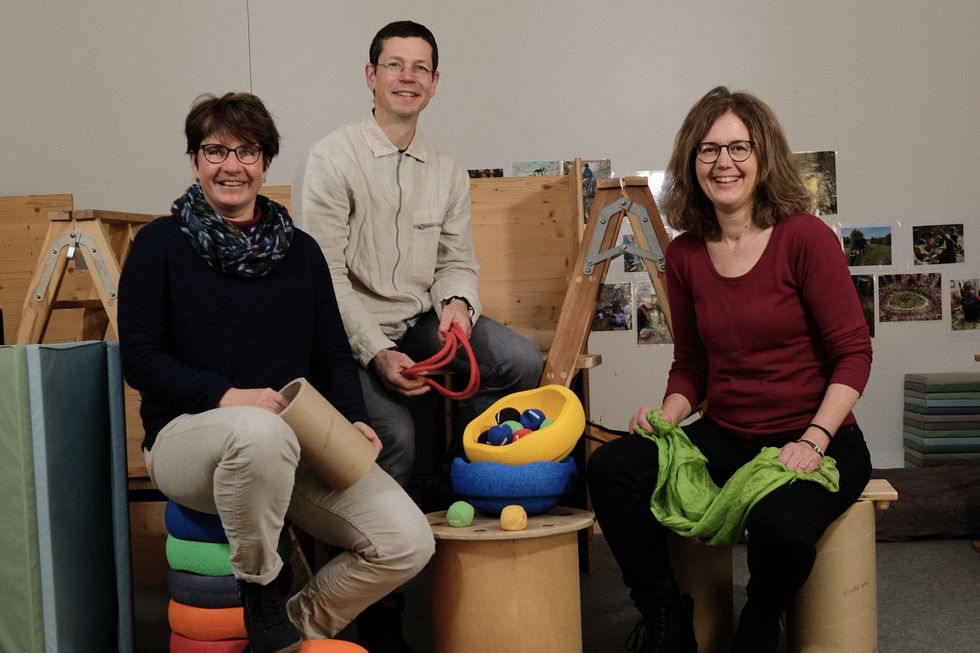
<point x="902" y="271"/>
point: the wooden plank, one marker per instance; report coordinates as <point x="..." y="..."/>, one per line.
<point x="23" y="227"/>
<point x="526" y="236"/>
<point x="280" y="194"/>
<point x="881" y="492"/>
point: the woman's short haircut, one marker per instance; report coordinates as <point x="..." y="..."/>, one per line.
<point x="403" y="29"/>
<point x="780" y="191"/>
<point x="241" y="115"/>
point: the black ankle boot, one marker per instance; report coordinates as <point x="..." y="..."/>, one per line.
<point x="269" y="629"/>
<point x="379" y="627"/>
<point x="757" y="632"/>
<point x="666" y="627"/>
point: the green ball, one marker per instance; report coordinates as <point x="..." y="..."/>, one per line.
<point x="460" y="514"/>
<point x="545" y="423"/>
<point x="513" y="425"/>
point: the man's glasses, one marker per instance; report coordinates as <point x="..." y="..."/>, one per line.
<point x="709" y="152"/>
<point x="395" y="68"/>
<point x="216" y="153"/>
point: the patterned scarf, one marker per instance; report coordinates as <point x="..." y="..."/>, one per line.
<point x="225" y="247"/>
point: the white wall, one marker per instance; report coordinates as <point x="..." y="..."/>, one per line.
<point x="93" y="96"/>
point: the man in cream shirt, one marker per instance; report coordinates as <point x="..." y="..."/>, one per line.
<point x="391" y="211"/>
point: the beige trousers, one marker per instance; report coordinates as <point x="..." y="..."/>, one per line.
<point x="243" y="464"/>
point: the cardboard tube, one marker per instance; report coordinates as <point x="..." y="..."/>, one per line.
<point x="329" y="444"/>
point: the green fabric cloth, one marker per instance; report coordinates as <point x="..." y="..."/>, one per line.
<point x="688" y="502"/>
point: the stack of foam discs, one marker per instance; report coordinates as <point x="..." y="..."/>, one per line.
<point x="941" y="423"/>
<point x="205" y="611"/>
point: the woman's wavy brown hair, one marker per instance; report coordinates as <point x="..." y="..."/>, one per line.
<point x="780" y="191"/>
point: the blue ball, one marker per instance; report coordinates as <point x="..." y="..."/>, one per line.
<point x="499" y="435"/>
<point x="532" y="418"/>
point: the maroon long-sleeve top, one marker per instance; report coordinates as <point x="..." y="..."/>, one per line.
<point x="762" y="348"/>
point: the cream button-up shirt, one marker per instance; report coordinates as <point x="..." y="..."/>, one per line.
<point x="395" y="229"/>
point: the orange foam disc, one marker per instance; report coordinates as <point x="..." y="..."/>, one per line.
<point x="330" y="646"/>
<point x="208" y="624"/>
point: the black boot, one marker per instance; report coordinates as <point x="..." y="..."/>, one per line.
<point x="269" y="629"/>
<point x="666" y="627"/>
<point x="379" y="627"/>
<point x="757" y="632"/>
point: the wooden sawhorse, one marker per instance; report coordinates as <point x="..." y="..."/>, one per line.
<point x="92" y="240"/>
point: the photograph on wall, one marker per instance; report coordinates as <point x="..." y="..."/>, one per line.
<point x="819" y="171"/>
<point x="614" y="309"/>
<point x="615" y="266"/>
<point x="532" y="168"/>
<point x="867" y="245"/>
<point x="655" y="180"/>
<point x="651" y="324"/>
<point x="937" y="244"/>
<point x="910" y="297"/>
<point x="488" y="168"/>
<point x="592" y="171"/>
<point x="631" y="262"/>
<point x="864" y="284"/>
<point x="964" y="306"/>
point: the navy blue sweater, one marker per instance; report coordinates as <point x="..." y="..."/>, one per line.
<point x="187" y="333"/>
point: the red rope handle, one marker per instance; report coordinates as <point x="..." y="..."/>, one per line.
<point x="442" y="358"/>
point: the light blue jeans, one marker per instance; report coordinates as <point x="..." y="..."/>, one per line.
<point x="243" y="463"/>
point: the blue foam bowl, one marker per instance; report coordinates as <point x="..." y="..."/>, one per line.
<point x="490" y="487"/>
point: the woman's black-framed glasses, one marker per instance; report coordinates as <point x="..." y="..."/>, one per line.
<point x="394" y="68"/>
<point x="216" y="153"/>
<point x="709" y="152"/>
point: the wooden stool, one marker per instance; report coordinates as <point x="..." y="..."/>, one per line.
<point x="837" y="608"/>
<point x="515" y="591"/>
<point x="705" y="572"/>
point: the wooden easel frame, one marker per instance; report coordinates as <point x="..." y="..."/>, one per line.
<point x="615" y="199"/>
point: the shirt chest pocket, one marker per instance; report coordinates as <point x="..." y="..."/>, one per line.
<point x="426" y="230"/>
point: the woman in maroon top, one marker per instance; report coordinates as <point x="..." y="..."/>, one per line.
<point x="770" y="346"/>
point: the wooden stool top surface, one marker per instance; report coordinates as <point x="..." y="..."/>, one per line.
<point x="881" y="492"/>
<point x="553" y="522"/>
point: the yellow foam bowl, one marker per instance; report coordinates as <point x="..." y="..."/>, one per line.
<point x="552" y="443"/>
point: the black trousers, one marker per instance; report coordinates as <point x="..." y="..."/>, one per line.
<point x="783" y="527"/>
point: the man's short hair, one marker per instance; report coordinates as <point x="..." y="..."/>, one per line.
<point x="403" y="29"/>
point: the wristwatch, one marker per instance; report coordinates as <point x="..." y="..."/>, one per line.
<point x="469" y="307"/>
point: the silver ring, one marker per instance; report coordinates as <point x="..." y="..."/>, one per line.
<point x="799" y="466"/>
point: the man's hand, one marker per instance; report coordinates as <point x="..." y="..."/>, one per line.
<point x="455" y="312"/>
<point x="389" y="364"/>
<point x="369" y="433"/>
<point x="266" y="398"/>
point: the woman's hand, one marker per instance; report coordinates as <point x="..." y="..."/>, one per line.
<point x="639" y="418"/>
<point x="799" y="457"/>
<point x="674" y="410"/>
<point x="369" y="433"/>
<point x="259" y="397"/>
